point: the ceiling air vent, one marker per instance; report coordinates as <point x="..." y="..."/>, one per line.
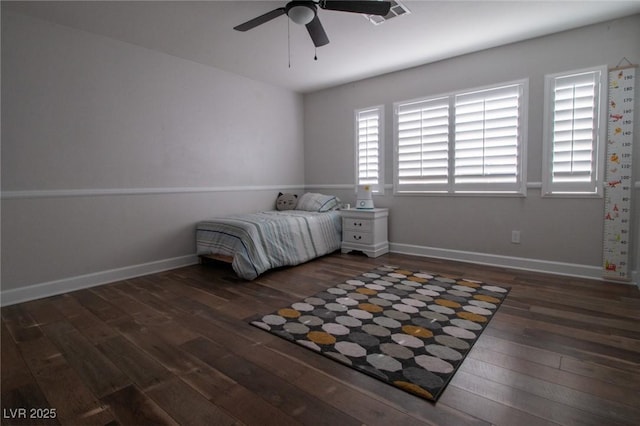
<point x="397" y="9"/>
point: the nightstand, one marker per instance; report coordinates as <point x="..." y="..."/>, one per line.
<point x="365" y="231"/>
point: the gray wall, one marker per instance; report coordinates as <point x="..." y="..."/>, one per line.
<point x="111" y="152"/>
<point x="557" y="230"/>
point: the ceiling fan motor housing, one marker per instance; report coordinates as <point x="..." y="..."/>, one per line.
<point x="301" y="12"/>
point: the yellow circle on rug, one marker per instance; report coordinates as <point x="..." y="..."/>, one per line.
<point x="447" y="303"/>
<point x="468" y="284"/>
<point x="414" y="330"/>
<point x="472" y="317"/>
<point x="486" y="298"/>
<point x="417" y="279"/>
<point x="367" y="291"/>
<point x="321" y="338"/>
<point x="288" y="313"/>
<point x="410" y="387"/>
<point x="370" y="307"/>
<point x="403" y="272"/>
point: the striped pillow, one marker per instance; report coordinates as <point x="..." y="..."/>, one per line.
<point x="313" y="202"/>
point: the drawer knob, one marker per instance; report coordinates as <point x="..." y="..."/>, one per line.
<point x="357" y="223"/>
<point x="357" y="237"/>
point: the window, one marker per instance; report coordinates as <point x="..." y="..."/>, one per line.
<point x="422" y="132"/>
<point x="465" y="142"/>
<point x="369" y="147"/>
<point x="574" y="133"/>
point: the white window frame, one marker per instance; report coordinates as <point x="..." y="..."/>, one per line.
<point x="593" y="187"/>
<point x="378" y="187"/>
<point x="449" y="186"/>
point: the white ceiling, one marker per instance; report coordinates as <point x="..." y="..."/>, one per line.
<point x="435" y="30"/>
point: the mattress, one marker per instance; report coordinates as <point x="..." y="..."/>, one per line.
<point x="270" y="239"/>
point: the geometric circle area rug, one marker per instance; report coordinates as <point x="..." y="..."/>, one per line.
<point x="411" y="330"/>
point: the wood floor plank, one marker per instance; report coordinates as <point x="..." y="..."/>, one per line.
<point x="629" y="359"/>
<point x="69" y="307"/>
<point x="20" y="323"/>
<point x="547" y="409"/>
<point x="235" y="337"/>
<point x="564" y="345"/>
<point x="63" y="386"/>
<point x="27" y="405"/>
<point x="13" y="370"/>
<point x="594" y="387"/>
<point x="133" y="307"/>
<point x="180" y="288"/>
<point x="169" y="356"/>
<point x="93" y="328"/>
<point x="20" y="392"/>
<point x="600" y="335"/>
<point x="100" y="307"/>
<point x="176" y="348"/>
<point x="209" y="382"/>
<point x="606" y="373"/>
<point x="140" y="368"/>
<point x="236" y="400"/>
<point x="351" y="401"/>
<point x="609" y="409"/>
<point x="517" y="350"/>
<point x="132" y="407"/>
<point x="584" y="303"/>
<point x="493" y="412"/>
<point x="291" y="400"/>
<point x="100" y="374"/>
<point x="44" y="311"/>
<point x="187" y="406"/>
<point x="598" y="322"/>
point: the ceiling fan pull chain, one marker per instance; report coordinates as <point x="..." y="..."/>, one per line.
<point x="315" y="56"/>
<point x="289" y="41"/>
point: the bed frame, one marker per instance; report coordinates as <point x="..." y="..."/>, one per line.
<point x="204" y="258"/>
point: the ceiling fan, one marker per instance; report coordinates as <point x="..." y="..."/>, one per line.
<point x="306" y="13"/>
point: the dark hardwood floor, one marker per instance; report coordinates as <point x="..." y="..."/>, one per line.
<point x="173" y="348"/>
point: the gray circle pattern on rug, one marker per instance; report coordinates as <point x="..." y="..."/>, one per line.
<point x="410" y="329"/>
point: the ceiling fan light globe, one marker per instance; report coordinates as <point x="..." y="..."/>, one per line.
<point x="301" y="14"/>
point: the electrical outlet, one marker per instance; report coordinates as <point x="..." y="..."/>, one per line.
<point x="515" y="237"/>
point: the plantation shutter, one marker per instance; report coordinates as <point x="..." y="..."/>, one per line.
<point x="574" y="132"/>
<point x="487" y="139"/>
<point x="368" y="146"/>
<point x="422" y="145"/>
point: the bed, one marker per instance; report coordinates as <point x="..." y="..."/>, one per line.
<point x="257" y="242"/>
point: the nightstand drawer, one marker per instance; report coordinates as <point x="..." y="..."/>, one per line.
<point x="357" y="237"/>
<point x="357" y="224"/>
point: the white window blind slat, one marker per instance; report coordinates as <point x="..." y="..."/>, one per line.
<point x="573" y="132"/>
<point x="422" y="142"/>
<point x="487" y="125"/>
<point x="574" y="125"/>
<point x="368" y="147"/>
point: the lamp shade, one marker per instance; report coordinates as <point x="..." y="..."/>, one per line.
<point x="301" y="14"/>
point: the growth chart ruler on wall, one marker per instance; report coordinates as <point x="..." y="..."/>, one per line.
<point x="618" y="178"/>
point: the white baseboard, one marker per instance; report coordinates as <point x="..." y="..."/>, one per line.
<point x="52" y="288"/>
<point x="546" y="266"/>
